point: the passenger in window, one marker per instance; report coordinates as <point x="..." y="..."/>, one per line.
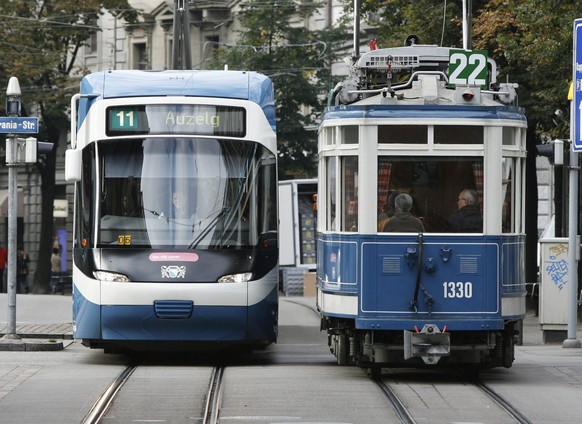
<point x="387" y="210"/>
<point x="403" y="221"/>
<point x="468" y="218"/>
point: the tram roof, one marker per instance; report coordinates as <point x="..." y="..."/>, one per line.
<point x="376" y="111"/>
<point x="241" y="85"/>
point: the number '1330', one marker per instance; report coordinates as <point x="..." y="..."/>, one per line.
<point x="457" y="290"/>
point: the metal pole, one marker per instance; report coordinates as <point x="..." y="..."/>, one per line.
<point x="571" y="341"/>
<point x="467" y="17"/>
<point x="12" y="230"/>
<point x="356" y="52"/>
<point x="12" y="110"/>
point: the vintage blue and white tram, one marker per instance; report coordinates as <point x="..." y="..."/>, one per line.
<point x="432" y="123"/>
<point x="175" y="234"/>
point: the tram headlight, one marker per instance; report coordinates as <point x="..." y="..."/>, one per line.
<point x="236" y="278"/>
<point x="112" y="277"/>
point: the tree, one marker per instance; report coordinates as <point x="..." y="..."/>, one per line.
<point x="274" y="41"/>
<point x="434" y="22"/>
<point x="39" y="42"/>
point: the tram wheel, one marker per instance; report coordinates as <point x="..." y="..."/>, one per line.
<point x="375" y="372"/>
<point x="341" y="350"/>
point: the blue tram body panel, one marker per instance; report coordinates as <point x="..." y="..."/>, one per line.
<point x="193" y="323"/>
<point x="462" y="280"/>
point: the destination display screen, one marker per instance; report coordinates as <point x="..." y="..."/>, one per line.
<point x="226" y="121"/>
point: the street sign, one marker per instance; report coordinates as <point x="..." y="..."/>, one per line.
<point x="17" y="125"/>
<point x="577" y="79"/>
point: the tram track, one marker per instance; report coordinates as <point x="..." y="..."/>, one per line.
<point x="405" y="396"/>
<point x="214" y="397"/>
<point x="517" y="415"/>
<point x="104" y="401"/>
<point x="211" y="404"/>
<point x="400" y="409"/>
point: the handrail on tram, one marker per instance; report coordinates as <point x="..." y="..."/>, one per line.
<point x="405" y="85"/>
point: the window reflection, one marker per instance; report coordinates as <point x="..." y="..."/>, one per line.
<point x="185" y="192"/>
<point x="435" y="185"/>
<point x="350" y="193"/>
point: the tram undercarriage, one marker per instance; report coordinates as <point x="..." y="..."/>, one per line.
<point x="396" y="348"/>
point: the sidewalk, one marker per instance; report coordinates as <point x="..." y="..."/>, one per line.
<point x="43" y="322"/>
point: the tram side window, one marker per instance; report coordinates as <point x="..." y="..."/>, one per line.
<point x="331" y="193"/>
<point x="405" y="134"/>
<point x="449" y="134"/>
<point x="84" y="204"/>
<point x="507" y="221"/>
<point x="349" y="193"/>
<point x="350" y="134"/>
<point x="435" y="185"/>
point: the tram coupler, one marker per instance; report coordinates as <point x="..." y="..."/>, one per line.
<point x="430" y="344"/>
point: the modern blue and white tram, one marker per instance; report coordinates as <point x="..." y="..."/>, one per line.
<point x="175" y="234"/>
<point x="431" y="123"/>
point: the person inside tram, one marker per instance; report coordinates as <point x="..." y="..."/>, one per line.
<point x="387" y="210"/>
<point x="468" y="217"/>
<point x="179" y="205"/>
<point x="403" y="220"/>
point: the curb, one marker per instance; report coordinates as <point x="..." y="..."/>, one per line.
<point x="31" y="345"/>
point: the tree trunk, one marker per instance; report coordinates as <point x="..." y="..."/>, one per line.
<point x="47" y="169"/>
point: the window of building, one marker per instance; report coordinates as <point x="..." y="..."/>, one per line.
<point x="140" y="56"/>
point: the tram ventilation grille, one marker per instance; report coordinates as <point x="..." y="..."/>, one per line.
<point x="391" y="265"/>
<point x="468" y="265"/>
<point x="173" y="309"/>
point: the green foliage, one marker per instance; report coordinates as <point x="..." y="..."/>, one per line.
<point x="274" y="41"/>
<point x="531" y="41"/>
<point x="39" y="41"/>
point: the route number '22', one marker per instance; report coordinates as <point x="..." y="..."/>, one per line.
<point x="457" y="290"/>
<point x="468" y="67"/>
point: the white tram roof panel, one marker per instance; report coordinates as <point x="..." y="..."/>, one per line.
<point x="405" y="57"/>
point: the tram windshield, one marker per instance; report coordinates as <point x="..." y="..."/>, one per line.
<point x="185" y="193"/>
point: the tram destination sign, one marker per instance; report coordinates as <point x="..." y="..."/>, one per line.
<point x="18" y="125"/>
<point x="577" y="94"/>
<point x="213" y="120"/>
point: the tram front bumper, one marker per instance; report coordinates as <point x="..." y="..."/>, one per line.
<point x="430" y="344"/>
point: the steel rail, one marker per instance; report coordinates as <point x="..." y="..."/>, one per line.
<point x="399" y="408"/>
<point x="515" y="413"/>
<point x="214" y="397"/>
<point x="102" y="404"/>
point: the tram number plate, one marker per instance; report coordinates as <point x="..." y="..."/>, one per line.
<point x="468" y="68"/>
<point x="457" y="290"/>
<point x="124" y="239"/>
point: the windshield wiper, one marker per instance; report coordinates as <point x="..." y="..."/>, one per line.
<point x="156" y="213"/>
<point x="224" y="211"/>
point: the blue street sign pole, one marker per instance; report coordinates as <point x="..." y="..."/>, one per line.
<point x="576" y="137"/>
<point x="12" y="125"/>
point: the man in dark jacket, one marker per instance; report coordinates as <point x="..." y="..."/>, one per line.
<point x="403" y="221"/>
<point x="468" y="218"/>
